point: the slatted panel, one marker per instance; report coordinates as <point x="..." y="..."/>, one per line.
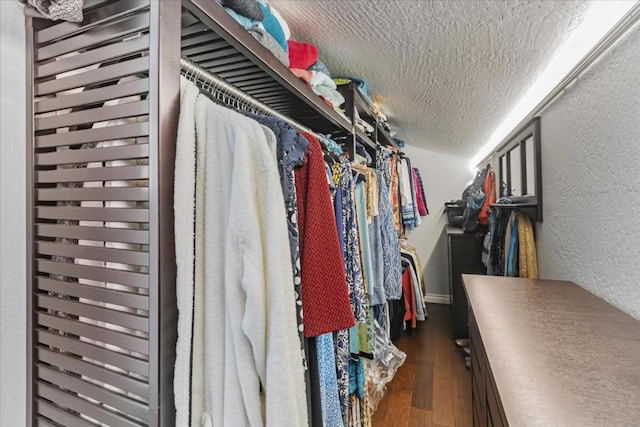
<point x="91" y="198"/>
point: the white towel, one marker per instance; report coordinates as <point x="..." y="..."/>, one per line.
<point x="184" y="221"/>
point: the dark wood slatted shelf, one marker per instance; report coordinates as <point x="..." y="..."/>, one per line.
<point x="216" y="42"/>
<point x="367" y="113"/>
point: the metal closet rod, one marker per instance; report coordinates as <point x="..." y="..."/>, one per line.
<point x="192" y="69"/>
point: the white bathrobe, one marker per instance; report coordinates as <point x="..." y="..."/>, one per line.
<point x="247" y="368"/>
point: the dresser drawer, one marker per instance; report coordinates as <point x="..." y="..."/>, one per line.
<point x="494" y="408"/>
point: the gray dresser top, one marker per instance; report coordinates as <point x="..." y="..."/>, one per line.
<point x="560" y="356"/>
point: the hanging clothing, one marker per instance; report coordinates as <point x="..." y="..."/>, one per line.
<point x="512" y="256"/>
<point x="325" y="296"/>
<point x="243" y="290"/>
<point x="489" y="188"/>
<point x="390" y="243"/>
<point x="291" y="147"/>
<point x="345" y="212"/>
<point x="410" y="258"/>
<point x="409" y="296"/>
<point x="528" y="263"/>
<point x="488" y="245"/>
<point x="363" y="235"/>
<point x="352" y="265"/>
<point x="342" y="355"/>
<point x="373" y="254"/>
<point x="421" y="201"/>
<point x="331" y="412"/>
<point x="407" y="196"/>
<point x="395" y="192"/>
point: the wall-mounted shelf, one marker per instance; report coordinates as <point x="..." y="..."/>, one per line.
<point x="216" y="42"/>
<point x="529" y="209"/>
<point x="356" y="101"/>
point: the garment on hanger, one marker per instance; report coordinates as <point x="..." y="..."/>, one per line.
<point x="390" y="243"/>
<point x="410" y="256"/>
<point x="409" y="297"/>
<point x="406" y="195"/>
<point x="331" y="411"/>
<point x="291" y="147"/>
<point x="325" y="297"/>
<point x="346" y="220"/>
<point x="225" y="373"/>
<point x="420" y="197"/>
<point x="528" y="263"/>
<point x="395" y="191"/>
<point x="350" y="239"/>
<point x="512" y="256"/>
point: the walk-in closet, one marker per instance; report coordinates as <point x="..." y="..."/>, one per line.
<point x="319" y="213"/>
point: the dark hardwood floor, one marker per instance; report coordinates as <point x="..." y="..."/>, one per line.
<point x="433" y="387"/>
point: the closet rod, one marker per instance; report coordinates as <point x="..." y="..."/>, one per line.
<point x="192" y="69"/>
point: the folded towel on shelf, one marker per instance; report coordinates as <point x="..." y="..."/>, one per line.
<point x="58" y="10"/>
<point x="329" y="94"/>
<point x="247" y="23"/>
<point x="321" y="84"/>
<point x="319" y="66"/>
<point x="301" y="55"/>
<point x="270" y="43"/>
<point x="249" y="8"/>
<point x="273" y="27"/>
<point x="319" y="78"/>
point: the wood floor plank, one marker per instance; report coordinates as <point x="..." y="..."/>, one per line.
<point x="398" y="410"/>
<point x="423" y="386"/>
<point x="403" y="381"/>
<point x="429" y="348"/>
<point x="428" y="341"/>
<point x="395" y="406"/>
<point x="461" y="391"/>
<point x="380" y="414"/>
<point x="419" y="418"/>
<point x="443" y="408"/>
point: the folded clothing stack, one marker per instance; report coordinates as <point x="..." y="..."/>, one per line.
<point x="321" y="84"/>
<point x="264" y="23"/>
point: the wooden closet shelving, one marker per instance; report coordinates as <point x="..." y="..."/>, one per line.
<point x="528" y="209"/>
<point x="217" y="43"/>
<point x="356" y="101"/>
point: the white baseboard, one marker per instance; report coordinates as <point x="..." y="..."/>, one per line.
<point x="438" y="298"/>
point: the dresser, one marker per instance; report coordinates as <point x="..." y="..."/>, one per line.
<point x="549" y="353"/>
<point x="465" y="256"/>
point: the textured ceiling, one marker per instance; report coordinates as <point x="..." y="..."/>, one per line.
<point x="444" y="72"/>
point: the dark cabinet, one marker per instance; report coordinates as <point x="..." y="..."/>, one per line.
<point x="550" y="353"/>
<point x="465" y="257"/>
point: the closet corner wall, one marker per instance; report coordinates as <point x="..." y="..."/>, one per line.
<point x="100" y="246"/>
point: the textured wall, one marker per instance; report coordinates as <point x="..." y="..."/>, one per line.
<point x="591" y="180"/>
<point x="448" y="72"/>
<point x="12" y="216"/>
<point x="444" y="178"/>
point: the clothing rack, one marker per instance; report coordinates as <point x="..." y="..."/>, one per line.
<point x="105" y="92"/>
<point x="215" y="85"/>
